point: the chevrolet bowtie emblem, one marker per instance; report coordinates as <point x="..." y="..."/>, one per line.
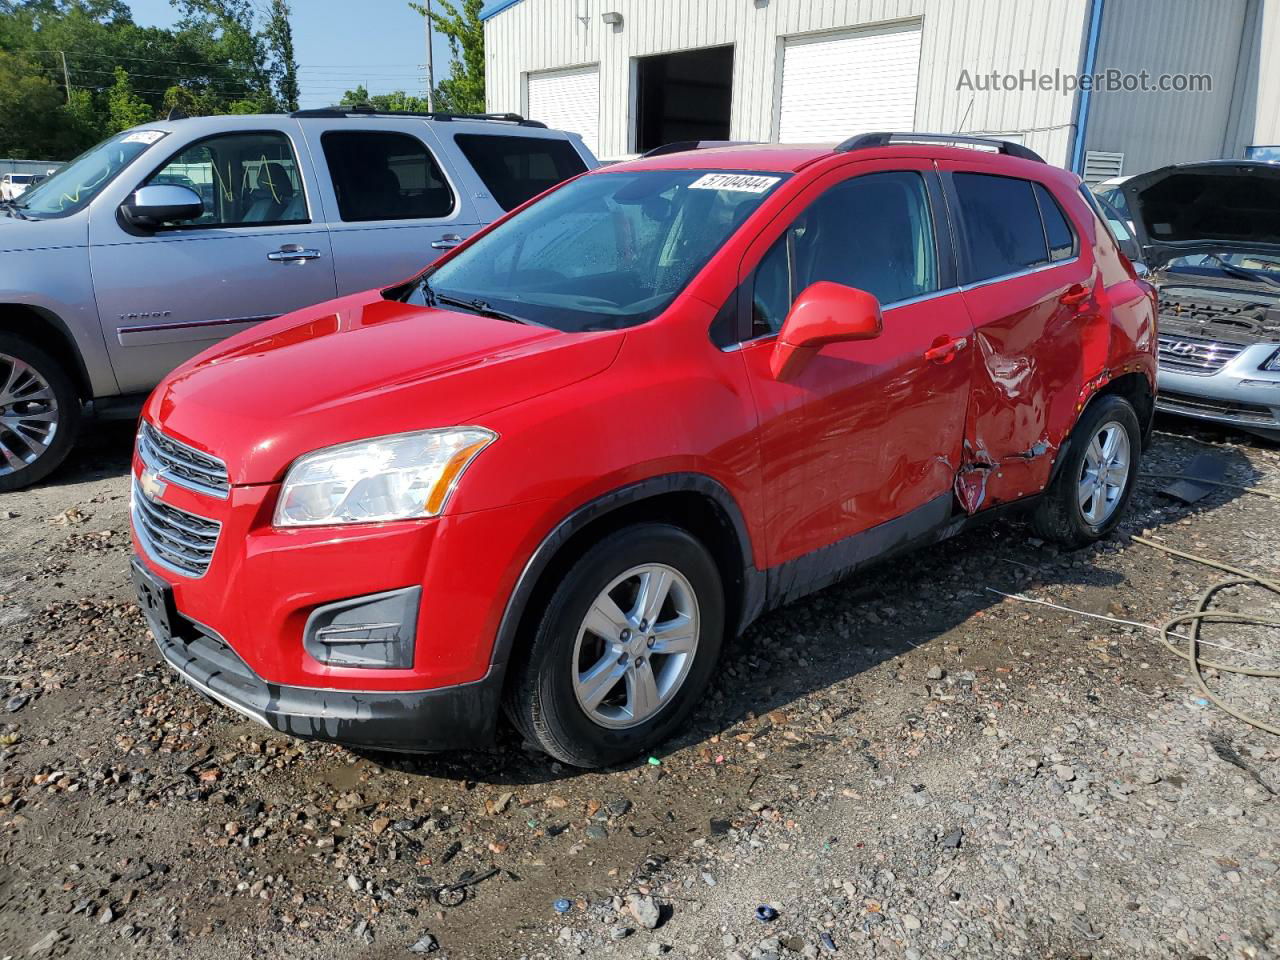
<point x="151" y="484"/>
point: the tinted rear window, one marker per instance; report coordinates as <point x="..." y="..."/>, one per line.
<point x="518" y="168"/>
<point x="1002" y="223"/>
<point x="1057" y="228"/>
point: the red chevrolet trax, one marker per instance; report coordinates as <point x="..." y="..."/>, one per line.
<point x="553" y="473"/>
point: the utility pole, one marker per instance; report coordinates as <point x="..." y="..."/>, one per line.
<point x="431" y="73"/>
<point x="66" y="75"/>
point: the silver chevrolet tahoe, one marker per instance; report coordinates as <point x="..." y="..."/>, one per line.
<point x="166" y="238"/>
<point x="1210" y="233"/>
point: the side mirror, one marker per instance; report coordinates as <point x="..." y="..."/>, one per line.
<point x="160" y="203"/>
<point x="823" y="313"/>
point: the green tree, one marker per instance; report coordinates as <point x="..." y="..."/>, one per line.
<point x="33" y="119"/>
<point x="463" y="90"/>
<point x="395" y="102"/>
<point x="284" y="68"/>
<point x="125" y="108"/>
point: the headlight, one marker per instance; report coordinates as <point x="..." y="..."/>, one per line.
<point x="1273" y="363"/>
<point x="389" y="478"/>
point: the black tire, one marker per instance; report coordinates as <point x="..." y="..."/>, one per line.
<point x="1058" y="516"/>
<point x="541" y="700"/>
<point x="68" y="423"/>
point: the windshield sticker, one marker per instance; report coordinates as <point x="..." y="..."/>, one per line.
<point x="741" y="182"/>
<point x="143" y="136"/>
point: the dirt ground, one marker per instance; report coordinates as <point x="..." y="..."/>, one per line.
<point x="904" y="765"/>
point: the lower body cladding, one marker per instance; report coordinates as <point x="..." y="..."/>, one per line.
<point x="445" y="718"/>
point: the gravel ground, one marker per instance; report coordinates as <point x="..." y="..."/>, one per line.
<point x="905" y="765"/>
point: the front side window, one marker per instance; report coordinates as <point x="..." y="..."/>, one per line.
<point x="1002" y="223"/>
<point x="379" y="175"/>
<point x="516" y="169"/>
<point x="604" y="252"/>
<point x="74" y="185"/>
<point x="874" y="233"/>
<point x="244" y="180"/>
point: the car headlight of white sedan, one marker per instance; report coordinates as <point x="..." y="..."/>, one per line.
<point x="400" y="477"/>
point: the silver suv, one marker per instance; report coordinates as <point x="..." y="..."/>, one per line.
<point x="166" y="238"/>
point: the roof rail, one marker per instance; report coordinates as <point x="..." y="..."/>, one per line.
<point x="365" y="110"/>
<point x="863" y="141"/>
<point x="680" y="146"/>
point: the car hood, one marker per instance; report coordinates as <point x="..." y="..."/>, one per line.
<point x="18" y="235"/>
<point x="360" y="367"/>
<point x="1216" y="206"/>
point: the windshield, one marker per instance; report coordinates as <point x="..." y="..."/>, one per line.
<point x="74" y="185"/>
<point x="606" y="251"/>
<point x="1244" y="266"/>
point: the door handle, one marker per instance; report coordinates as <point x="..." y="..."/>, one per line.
<point x="1075" y="295"/>
<point x="292" y="253"/>
<point x="447" y="242"/>
<point x="945" y="352"/>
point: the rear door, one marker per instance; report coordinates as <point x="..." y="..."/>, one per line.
<point x="259" y="249"/>
<point x="1033" y="294"/>
<point x="394" y="205"/>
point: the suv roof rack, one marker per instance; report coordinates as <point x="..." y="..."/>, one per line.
<point x="680" y="146"/>
<point x="863" y="141"/>
<point x="365" y="110"/>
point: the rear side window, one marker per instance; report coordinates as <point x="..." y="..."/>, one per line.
<point x="385" y="176"/>
<point x="1057" y="229"/>
<point x="516" y="169"/>
<point x="1002" y="223"/>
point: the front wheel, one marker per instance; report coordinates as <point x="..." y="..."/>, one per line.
<point x="1087" y="499"/>
<point x="624" y="649"/>
<point x="39" y="413"/>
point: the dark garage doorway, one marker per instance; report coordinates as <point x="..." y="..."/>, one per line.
<point x="683" y="96"/>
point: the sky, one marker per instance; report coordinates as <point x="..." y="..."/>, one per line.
<point x="339" y="45"/>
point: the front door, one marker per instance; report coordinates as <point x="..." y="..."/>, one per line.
<point x="259" y="249"/>
<point x="869" y="433"/>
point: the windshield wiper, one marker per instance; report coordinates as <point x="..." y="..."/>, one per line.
<point x="1244" y="273"/>
<point x="476" y="306"/>
<point x="14" y="208"/>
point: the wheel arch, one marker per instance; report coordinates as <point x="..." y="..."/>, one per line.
<point x="692" y="501"/>
<point x="48" y="332"/>
<point x="1132" y="387"/>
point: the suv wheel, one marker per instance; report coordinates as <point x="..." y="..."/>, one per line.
<point x="39" y="413"/>
<point x="624" y="649"/>
<point x="1088" y="497"/>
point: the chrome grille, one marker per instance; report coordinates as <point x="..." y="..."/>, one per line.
<point x="181" y="464"/>
<point x="1196" y="355"/>
<point x="173" y="538"/>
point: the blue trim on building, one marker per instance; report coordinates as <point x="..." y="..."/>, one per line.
<point x="495" y="7"/>
<point x="1090" y="64"/>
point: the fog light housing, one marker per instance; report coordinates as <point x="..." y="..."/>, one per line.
<point x="376" y="631"/>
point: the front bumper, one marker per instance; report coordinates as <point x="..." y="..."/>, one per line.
<point x="414" y="721"/>
<point x="1240" y="394"/>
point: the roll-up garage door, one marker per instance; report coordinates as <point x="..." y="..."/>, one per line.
<point x="837" y="84"/>
<point x="568" y="100"/>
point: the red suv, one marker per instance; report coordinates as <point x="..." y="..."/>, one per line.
<point x="555" y="471"/>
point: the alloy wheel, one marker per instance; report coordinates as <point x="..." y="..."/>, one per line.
<point x="28" y="414"/>
<point x="635" y="646"/>
<point x="1104" y="473"/>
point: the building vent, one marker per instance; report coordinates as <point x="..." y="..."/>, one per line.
<point x="1099" y="166"/>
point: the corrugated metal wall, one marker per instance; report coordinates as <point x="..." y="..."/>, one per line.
<point x="1169" y="37"/>
<point x="974" y="35"/>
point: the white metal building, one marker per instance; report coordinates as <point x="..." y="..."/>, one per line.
<point x="632" y="74"/>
